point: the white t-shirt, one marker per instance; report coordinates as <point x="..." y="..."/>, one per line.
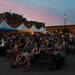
<point x="2" y="43"/>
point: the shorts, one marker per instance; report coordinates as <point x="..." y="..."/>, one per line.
<point x="25" y="54"/>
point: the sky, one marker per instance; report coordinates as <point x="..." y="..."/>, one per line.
<point x="51" y="12"/>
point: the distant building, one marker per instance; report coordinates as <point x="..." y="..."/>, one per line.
<point x="15" y="20"/>
<point x="71" y="28"/>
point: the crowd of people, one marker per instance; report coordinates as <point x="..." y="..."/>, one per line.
<point x="22" y="49"/>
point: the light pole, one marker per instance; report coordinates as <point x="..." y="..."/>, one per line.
<point x="64" y="21"/>
<point x="65" y="32"/>
<point x="64" y="26"/>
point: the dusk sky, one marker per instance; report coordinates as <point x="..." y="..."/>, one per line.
<point x="50" y="12"/>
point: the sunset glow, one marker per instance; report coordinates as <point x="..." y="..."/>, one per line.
<point x="50" y="12"/>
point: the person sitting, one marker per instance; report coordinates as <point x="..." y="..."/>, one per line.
<point x="27" y="55"/>
<point x="57" y="60"/>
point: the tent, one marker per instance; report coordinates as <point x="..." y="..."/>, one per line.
<point x="34" y="29"/>
<point x="42" y="29"/>
<point x="22" y="27"/>
<point x="5" y="27"/>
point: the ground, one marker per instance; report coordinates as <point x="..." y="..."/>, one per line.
<point x="69" y="69"/>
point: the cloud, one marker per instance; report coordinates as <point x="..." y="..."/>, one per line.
<point x="30" y="13"/>
<point x="3" y="1"/>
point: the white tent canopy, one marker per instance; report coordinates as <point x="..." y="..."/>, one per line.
<point x="22" y="27"/>
<point x="34" y="29"/>
<point x="5" y="25"/>
<point x="42" y="29"/>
